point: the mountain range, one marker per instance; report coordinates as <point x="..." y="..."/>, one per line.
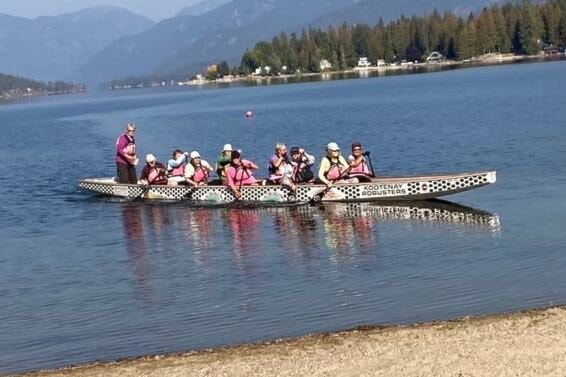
<point x="188" y="43"/>
<point x="102" y="43"/>
<point x="53" y="47"/>
<point x="201" y="7"/>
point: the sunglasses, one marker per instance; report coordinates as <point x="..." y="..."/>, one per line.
<point x="357" y="149"/>
<point x="131" y="130"/>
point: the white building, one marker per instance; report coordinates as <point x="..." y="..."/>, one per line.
<point x="434" y="57"/>
<point x="324" y="65"/>
<point x="363" y="62"/>
<point x="381" y="63"/>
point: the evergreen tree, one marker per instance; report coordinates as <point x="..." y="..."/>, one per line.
<point x="223" y="69"/>
<point x="530" y="29"/>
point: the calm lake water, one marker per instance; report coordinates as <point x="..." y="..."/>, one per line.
<point x="84" y="278"/>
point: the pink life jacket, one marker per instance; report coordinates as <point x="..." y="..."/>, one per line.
<point x="201" y="175"/>
<point x="156" y="177"/>
<point x="179" y="171"/>
<point x="335" y="171"/>
<point x="130" y="149"/>
<point x="362" y="168"/>
<point x="241" y="176"/>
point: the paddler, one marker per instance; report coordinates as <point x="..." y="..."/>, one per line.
<point x="126" y="159"/>
<point x="240" y="173"/>
<point x="302" y="163"/>
<point x="360" y="168"/>
<point x="333" y="167"/>
<point x="176" y="168"/>
<point x="223" y="161"/>
<point x="280" y="168"/>
<point x="154" y="172"/>
<point x="197" y="170"/>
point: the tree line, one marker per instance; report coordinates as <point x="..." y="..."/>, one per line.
<point x="520" y="28"/>
<point x="16" y="86"/>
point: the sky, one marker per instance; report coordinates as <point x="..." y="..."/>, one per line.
<point x="152" y="9"/>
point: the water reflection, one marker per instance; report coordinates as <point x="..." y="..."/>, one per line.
<point x="342" y="232"/>
<point x="133" y="225"/>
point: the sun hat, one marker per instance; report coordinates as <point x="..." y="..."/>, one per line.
<point x="195" y="154"/>
<point x="227" y="148"/>
<point x="332" y="147"/>
<point x="150" y="158"/>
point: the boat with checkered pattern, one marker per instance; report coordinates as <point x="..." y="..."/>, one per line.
<point x="378" y="189"/>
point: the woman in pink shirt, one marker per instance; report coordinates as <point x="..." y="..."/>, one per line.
<point x="126" y="159"/>
<point x="240" y="173"/>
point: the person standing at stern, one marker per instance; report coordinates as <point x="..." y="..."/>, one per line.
<point x="126" y="159"/>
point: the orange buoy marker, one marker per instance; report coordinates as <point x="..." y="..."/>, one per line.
<point x="249" y="114"/>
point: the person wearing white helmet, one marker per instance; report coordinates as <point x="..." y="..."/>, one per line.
<point x="223" y="161"/>
<point x="333" y="166"/>
<point x="154" y="172"/>
<point x="197" y="170"/>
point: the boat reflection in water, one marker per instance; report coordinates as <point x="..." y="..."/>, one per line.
<point x="250" y="236"/>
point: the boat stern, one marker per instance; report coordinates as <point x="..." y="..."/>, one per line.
<point x="491" y="177"/>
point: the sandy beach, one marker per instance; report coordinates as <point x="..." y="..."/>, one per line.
<point x="530" y="343"/>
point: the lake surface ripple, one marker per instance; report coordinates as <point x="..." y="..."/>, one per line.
<point x="84" y="278"/>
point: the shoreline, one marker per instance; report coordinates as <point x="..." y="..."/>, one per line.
<point x="529" y="342"/>
<point x="388" y="70"/>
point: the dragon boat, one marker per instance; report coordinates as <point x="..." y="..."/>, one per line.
<point x="378" y="189"/>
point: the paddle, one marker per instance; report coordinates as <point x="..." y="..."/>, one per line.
<point x="366" y="154"/>
<point x="318" y="196"/>
<point x="144" y="191"/>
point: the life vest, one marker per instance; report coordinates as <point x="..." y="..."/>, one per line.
<point x="130" y="149"/>
<point x="302" y="172"/>
<point x="201" y="174"/>
<point x="179" y="171"/>
<point x="362" y="168"/>
<point x="156" y="177"/>
<point x="240" y="175"/>
<point x="335" y="171"/>
<point x="278" y="170"/>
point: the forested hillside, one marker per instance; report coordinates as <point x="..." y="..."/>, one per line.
<point x="12" y="87"/>
<point x="522" y="28"/>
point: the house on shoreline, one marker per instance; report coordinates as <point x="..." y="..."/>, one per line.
<point x="325" y="65"/>
<point x="363" y="62"/>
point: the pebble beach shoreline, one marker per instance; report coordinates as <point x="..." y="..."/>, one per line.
<point x="528" y="343"/>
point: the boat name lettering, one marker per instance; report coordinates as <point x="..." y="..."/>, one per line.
<point x="384" y="190"/>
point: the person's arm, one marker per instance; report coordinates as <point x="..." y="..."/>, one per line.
<point x="121" y="144"/>
<point x="249" y="165"/>
<point x="277" y="160"/>
<point x="189" y="173"/>
<point x="206" y="165"/>
<point x="324" y="165"/>
<point x="175" y="163"/>
<point x="230" y="183"/>
<point x="308" y="159"/>
<point x="355" y="162"/>
<point x="145" y="174"/>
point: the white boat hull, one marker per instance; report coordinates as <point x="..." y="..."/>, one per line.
<point x="379" y="189"/>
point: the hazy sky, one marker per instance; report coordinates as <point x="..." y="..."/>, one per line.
<point x="153" y="9"/>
